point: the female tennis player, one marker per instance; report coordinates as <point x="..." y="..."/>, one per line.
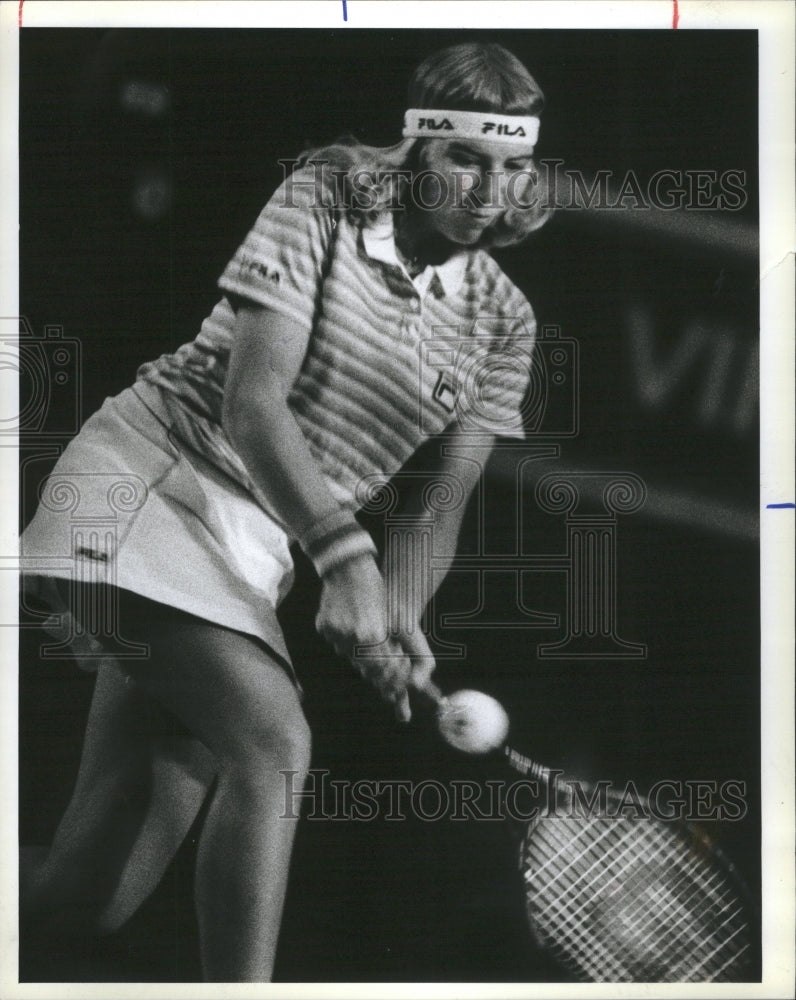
<point x="313" y="377"/>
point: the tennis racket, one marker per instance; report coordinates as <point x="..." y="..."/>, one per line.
<point x="618" y="898"/>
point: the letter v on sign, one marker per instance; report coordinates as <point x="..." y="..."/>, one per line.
<point x="656" y="378"/>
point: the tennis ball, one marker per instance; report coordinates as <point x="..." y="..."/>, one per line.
<point x="472" y="722"/>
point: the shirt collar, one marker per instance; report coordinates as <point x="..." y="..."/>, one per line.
<point x="378" y="239"/>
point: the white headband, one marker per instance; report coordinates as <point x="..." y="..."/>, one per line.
<point x="422" y="123"/>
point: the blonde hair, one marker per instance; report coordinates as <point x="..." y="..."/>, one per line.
<point x="473" y="76"/>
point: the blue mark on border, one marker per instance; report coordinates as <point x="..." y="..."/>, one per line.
<point x="345" y="11"/>
<point x="779" y="506"/>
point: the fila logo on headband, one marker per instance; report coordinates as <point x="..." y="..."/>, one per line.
<point x="420" y="122"/>
<point x="435" y="126"/>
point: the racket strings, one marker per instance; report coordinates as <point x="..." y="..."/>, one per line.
<point x="628" y="923"/>
<point x="599" y="883"/>
<point x="627" y="900"/>
<point x="563" y="908"/>
<point x="579" y="933"/>
<point x="666" y="926"/>
<point x="661" y="948"/>
<point x="717" y="907"/>
<point x="655" y="893"/>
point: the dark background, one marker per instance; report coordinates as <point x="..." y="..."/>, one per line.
<point x="131" y="205"/>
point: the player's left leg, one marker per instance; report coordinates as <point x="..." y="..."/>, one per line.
<point x="139" y="788"/>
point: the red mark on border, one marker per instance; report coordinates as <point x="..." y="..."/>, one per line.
<point x="675" y="15"/>
<point x="19" y="13"/>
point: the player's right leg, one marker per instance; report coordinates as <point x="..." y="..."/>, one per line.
<point x="237" y="698"/>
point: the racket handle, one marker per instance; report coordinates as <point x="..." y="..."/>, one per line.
<point x="529" y="767"/>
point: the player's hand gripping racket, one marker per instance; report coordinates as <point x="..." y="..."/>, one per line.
<point x="614" y="898"/>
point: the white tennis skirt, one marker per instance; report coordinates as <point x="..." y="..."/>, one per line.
<point x="128" y="505"/>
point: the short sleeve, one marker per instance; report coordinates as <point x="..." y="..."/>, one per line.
<point x="281" y="262"/>
<point x="496" y="374"/>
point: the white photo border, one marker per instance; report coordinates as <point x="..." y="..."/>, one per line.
<point x="774" y="20"/>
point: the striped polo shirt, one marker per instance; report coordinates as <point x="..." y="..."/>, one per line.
<point x="388" y="360"/>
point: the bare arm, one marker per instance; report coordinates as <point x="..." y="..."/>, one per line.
<point x="461" y="462"/>
<point x="464" y="460"/>
<point x="265" y="359"/>
<point x="266" y="356"/>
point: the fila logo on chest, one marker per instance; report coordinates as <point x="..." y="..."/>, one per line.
<point x="445" y="392"/>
